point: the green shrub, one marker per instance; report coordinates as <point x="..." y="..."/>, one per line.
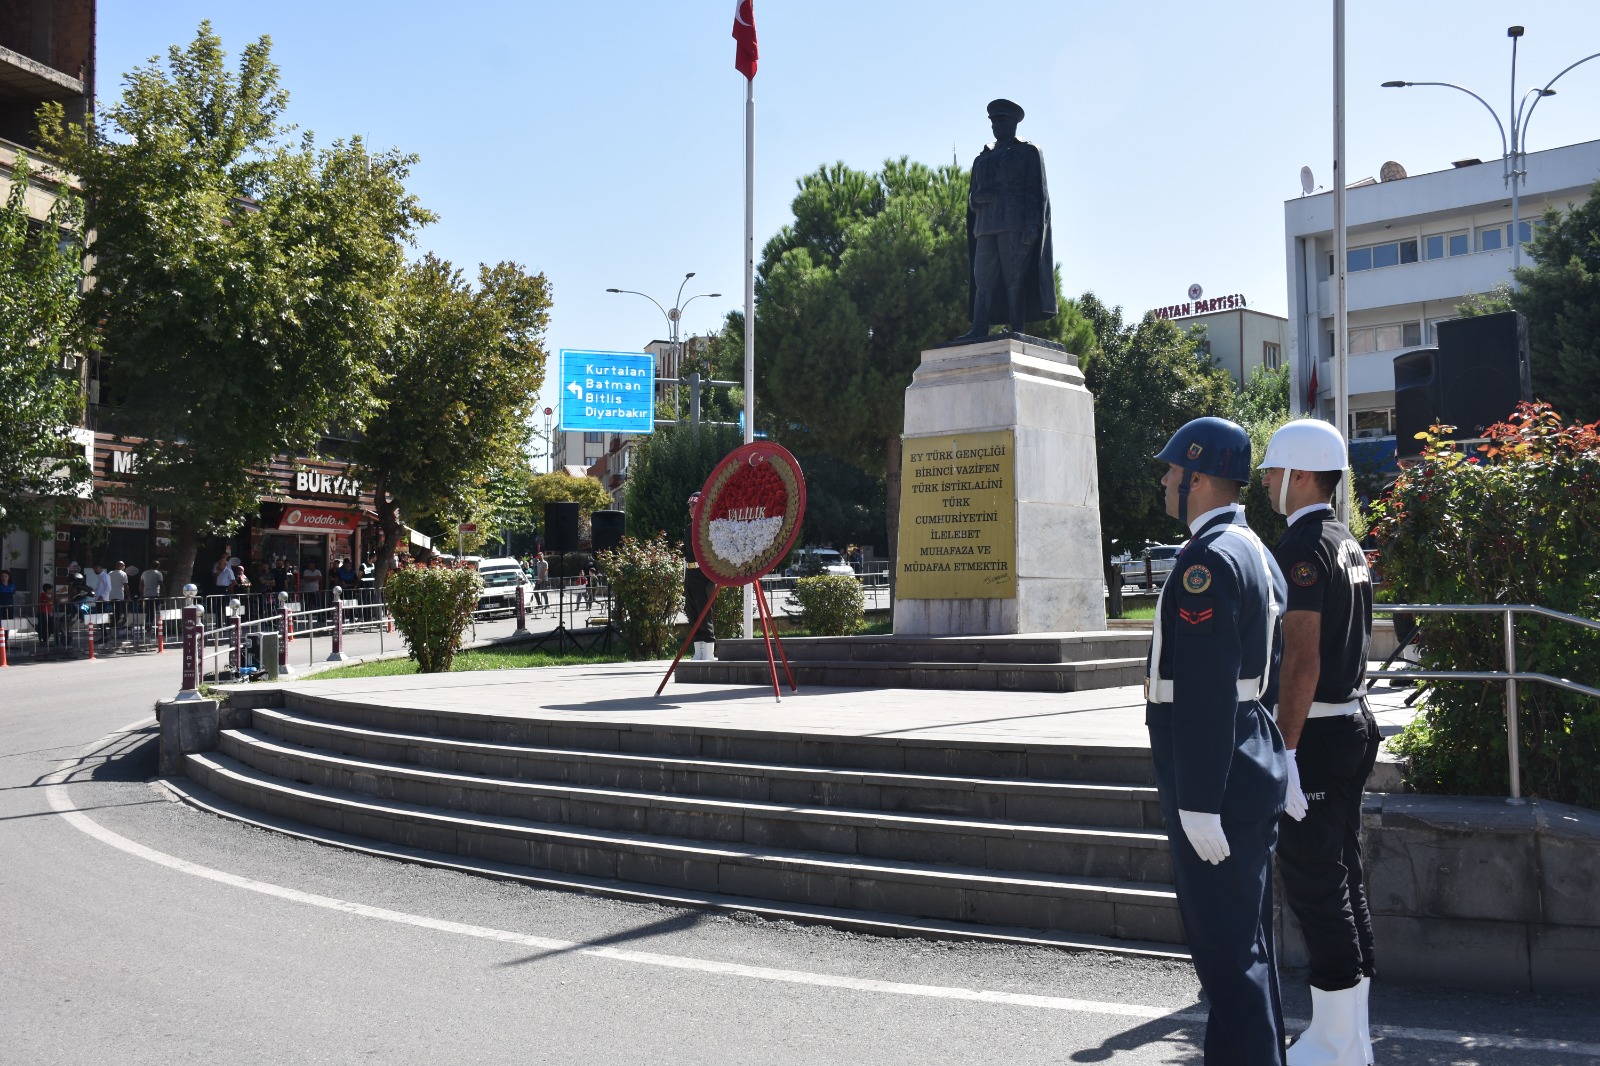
<point x="432" y="607"/>
<point x="828" y="606"/>
<point x="1516" y="521"/>
<point x="727" y="614"/>
<point x="647" y="593"/>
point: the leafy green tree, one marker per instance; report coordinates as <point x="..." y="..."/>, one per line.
<point x="1261" y="407"/>
<point x="558" y="486"/>
<point x="844" y="503"/>
<point x="455" y="391"/>
<point x="1559" y="292"/>
<point x="240" y="275"/>
<point x="41" y="270"/>
<point x="872" y="271"/>
<point x="1148" y="379"/>
<point x="667" y="467"/>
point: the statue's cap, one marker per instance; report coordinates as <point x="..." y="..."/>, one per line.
<point x="997" y="108"/>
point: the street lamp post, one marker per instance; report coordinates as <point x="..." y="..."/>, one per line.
<point x="1513" y="150"/>
<point x="674" y="319"/>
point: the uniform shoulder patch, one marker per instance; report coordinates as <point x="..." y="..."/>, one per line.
<point x="1196" y="579"/>
<point x="1303" y="574"/>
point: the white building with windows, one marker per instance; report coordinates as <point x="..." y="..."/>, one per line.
<point x="1417" y="247"/>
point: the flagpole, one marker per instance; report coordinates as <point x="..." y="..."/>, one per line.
<point x="1341" y="292"/>
<point x="749" y="300"/>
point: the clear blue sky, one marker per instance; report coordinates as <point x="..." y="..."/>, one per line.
<point x="601" y="143"/>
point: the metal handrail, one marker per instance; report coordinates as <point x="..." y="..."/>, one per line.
<point x="1511" y="676"/>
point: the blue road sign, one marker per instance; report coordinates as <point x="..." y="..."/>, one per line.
<point x="609" y="391"/>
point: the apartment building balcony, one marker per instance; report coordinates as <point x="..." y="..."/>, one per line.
<point x="1447" y="279"/>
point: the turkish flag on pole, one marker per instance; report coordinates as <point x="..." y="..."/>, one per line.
<point x="744" y="31"/>
<point x="1311" y="391"/>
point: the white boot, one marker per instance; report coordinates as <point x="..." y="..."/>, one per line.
<point x="1333" y="1038"/>
<point x="703" y="651"/>
<point x="1363" y="1027"/>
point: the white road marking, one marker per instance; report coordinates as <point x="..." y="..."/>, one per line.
<point x="61" y="803"/>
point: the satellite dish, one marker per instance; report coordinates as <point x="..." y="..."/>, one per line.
<point x="1308" y="184"/>
<point x="1391" y="171"/>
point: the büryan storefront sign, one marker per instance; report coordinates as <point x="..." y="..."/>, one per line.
<point x="317" y="520"/>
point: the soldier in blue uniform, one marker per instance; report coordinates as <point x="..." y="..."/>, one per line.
<point x="1219" y="759"/>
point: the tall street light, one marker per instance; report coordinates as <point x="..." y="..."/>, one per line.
<point x="1513" y="150"/>
<point x="674" y="319"/>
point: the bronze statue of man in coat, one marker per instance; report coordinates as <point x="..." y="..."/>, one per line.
<point x="1009" y="251"/>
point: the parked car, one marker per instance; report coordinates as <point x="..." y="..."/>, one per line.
<point x="500" y="580"/>
<point x="803" y="561"/>
<point x="1161" y="558"/>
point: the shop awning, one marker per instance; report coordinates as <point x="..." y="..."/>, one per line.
<point x="420" y="540"/>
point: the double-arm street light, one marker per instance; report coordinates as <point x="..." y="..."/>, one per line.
<point x="674" y="319"/>
<point x="1513" y="150"/>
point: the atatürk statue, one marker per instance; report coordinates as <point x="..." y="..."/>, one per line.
<point x="1008" y="230"/>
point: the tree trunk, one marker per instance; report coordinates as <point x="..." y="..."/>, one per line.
<point x="390" y="532"/>
<point x="185" y="545"/>
<point x="1113" y="573"/>
<point x="891" y="510"/>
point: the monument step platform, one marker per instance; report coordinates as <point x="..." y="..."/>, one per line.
<point x="1033" y="760"/>
<point x="1121" y="854"/>
<point x="1045" y="648"/>
<point x="988" y="676"/>
<point x="1105" y="907"/>
<point x="1098" y="804"/>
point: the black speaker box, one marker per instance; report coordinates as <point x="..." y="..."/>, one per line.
<point x="561" y="526"/>
<point x="1473" y="379"/>
<point x="607" y="528"/>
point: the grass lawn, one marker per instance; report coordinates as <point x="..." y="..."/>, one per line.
<point x="512" y="657"/>
<point x="1146" y="611"/>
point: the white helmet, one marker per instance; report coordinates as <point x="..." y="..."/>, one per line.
<point x="1304" y="444"/>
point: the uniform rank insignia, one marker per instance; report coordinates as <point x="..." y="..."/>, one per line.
<point x="1195" y="450"/>
<point x="1196" y="579"/>
<point x="1303" y="574"/>
<point x="1196" y="617"/>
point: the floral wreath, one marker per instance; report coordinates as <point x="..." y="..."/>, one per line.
<point x="749" y="513"/>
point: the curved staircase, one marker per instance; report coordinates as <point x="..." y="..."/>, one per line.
<point x="1054" y="842"/>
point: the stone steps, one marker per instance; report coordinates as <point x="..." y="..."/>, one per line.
<point x="1063" y="839"/>
<point x="1029" y="648"/>
<point x="1078" y="851"/>
<point x="1102" y="907"/>
<point x="1110" y="805"/>
<point x="1001" y="677"/>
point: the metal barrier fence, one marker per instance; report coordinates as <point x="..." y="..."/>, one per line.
<point x="1511" y="676"/>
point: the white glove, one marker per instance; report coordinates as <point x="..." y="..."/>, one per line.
<point x="1205" y="835"/>
<point x="1294" y="804"/>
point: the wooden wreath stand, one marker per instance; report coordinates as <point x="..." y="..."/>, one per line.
<point x="769" y="631"/>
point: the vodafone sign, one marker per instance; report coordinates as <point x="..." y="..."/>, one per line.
<point x="318" y="520"/>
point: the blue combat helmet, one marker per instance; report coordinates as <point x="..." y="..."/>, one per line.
<point x="1212" y="446"/>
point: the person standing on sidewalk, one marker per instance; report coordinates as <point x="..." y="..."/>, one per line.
<point x="1219" y="759"/>
<point x="150" y="582"/>
<point x="1330" y="734"/>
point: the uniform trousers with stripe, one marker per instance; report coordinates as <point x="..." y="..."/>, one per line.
<point x="1319" y="857"/>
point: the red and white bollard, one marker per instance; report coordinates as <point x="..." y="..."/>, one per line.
<point x="338" y="655"/>
<point x="5" y="639"/>
<point x="237" y="611"/>
<point x="522" y="608"/>
<point x="285" y="629"/>
<point x="91" y="638"/>
<point x="194" y="635"/>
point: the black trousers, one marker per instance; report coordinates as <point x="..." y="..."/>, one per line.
<point x="697" y="590"/>
<point x="1319" y="857"/>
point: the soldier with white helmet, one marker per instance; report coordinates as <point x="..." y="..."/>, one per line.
<point x="1330" y="734"/>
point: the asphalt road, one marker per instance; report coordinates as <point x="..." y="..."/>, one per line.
<point x="135" y="929"/>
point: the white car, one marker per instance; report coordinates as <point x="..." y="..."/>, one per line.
<point x="829" y="560"/>
<point x="500" y="580"/>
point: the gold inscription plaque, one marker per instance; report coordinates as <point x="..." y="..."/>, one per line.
<point x="958" y="517"/>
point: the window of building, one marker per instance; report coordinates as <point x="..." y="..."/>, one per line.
<point x="1271" y="355"/>
<point x="1385" y="338"/>
<point x="1377" y="256"/>
<point x="1379" y="423"/>
<point x="594" y="438"/>
<point x="1491" y="238"/>
<point x="1439" y="245"/>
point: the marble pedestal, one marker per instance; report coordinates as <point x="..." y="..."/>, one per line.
<point x="1037" y="393"/>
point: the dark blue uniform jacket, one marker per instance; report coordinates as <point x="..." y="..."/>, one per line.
<point x="1215" y="751"/>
